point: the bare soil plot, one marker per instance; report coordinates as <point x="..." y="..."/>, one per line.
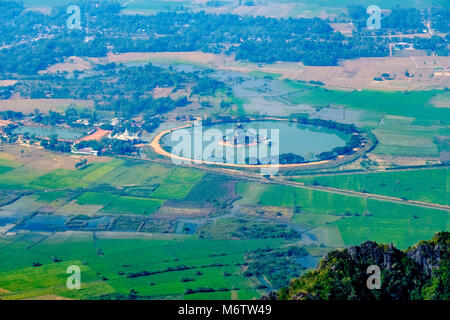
<point x="48" y="297"/>
<point x="360" y="73"/>
<point x="74" y="209"/>
<point x="351" y="74"/>
<point x="4" y="123"/>
<point x="69" y="65"/>
<point x="194" y="56"/>
<point x="387" y="161"/>
<point x="174" y="209"/>
<point x="442" y="101"/>
<point x="275" y="10"/>
<point x="7" y="83"/>
<point x="43" y="160"/>
<point x="269" y="212"/>
<point x="161" y="92"/>
<point x="43" y="9"/>
<point x="345" y="28"/>
<point x="97" y="135"/>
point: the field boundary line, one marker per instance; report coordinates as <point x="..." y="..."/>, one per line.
<point x="256" y="178"/>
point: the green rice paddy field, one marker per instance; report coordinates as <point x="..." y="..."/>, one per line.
<point x="352" y="220"/>
<point x="138" y="188"/>
<point x="121" y="256"/>
<point x="406" y="123"/>
<point x="167" y="265"/>
<point x="430" y="185"/>
<point x="414" y="104"/>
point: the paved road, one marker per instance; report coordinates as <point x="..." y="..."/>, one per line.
<point x="344" y="173"/>
<point x="253" y="176"/>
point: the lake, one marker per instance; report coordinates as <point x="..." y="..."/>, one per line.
<point x="303" y="140"/>
<point x="47" y="131"/>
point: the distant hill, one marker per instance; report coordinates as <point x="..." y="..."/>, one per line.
<point x="420" y="272"/>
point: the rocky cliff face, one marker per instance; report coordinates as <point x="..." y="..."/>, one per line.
<point x="420" y="272"/>
<point x="428" y="256"/>
<point x="371" y="252"/>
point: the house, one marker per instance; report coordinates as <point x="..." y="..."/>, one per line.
<point x="84" y="151"/>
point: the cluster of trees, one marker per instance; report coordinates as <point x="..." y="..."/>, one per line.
<point x="420" y="272"/>
<point x="11" y="115"/>
<point x="277" y="265"/>
<point x="72" y="114"/>
<point x="126" y="91"/>
<point x="8" y="130"/>
<point x="54" y="144"/>
<point x="52" y="118"/>
<point x="436" y="44"/>
<point x="287" y="158"/>
<point x="249" y="229"/>
<point x="440" y="18"/>
<point x="207" y="86"/>
<point x="17" y="22"/>
<point x="257" y="39"/>
<point x="358" y="16"/>
<point x="113" y="82"/>
<point x="207" y="289"/>
<point x="32" y="56"/>
<point x="150" y="123"/>
<point x="405" y="20"/>
<point x="5" y="93"/>
<point x="81" y="164"/>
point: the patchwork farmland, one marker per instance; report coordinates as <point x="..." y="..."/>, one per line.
<point x="131" y="199"/>
<point x="96" y="105"/>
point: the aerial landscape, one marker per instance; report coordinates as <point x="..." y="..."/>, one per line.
<point x="224" y="149"/>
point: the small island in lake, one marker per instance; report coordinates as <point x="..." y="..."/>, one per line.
<point x="244" y="138"/>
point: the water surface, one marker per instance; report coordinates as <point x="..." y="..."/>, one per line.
<point x="47" y="131"/>
<point x="303" y="140"/>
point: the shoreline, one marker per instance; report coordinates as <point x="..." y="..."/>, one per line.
<point x="156" y="146"/>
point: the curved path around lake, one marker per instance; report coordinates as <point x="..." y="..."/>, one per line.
<point x="156" y="146"/>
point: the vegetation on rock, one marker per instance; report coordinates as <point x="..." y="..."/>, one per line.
<point x="420" y="272"/>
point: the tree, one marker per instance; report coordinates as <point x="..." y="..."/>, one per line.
<point x="81" y="164"/>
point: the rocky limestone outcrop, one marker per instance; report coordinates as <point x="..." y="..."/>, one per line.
<point x="373" y="254"/>
<point x="428" y="256"/>
<point x="420" y="272"/>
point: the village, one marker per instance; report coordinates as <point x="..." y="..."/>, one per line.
<point x="81" y="137"/>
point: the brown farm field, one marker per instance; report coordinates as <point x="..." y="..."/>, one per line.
<point x="350" y="74"/>
<point x="192" y="57"/>
<point x="44" y="105"/>
<point x="42" y="160"/>
<point x="7" y="83"/>
<point x="441" y="101"/>
<point x="69" y="65"/>
<point x="161" y="92"/>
